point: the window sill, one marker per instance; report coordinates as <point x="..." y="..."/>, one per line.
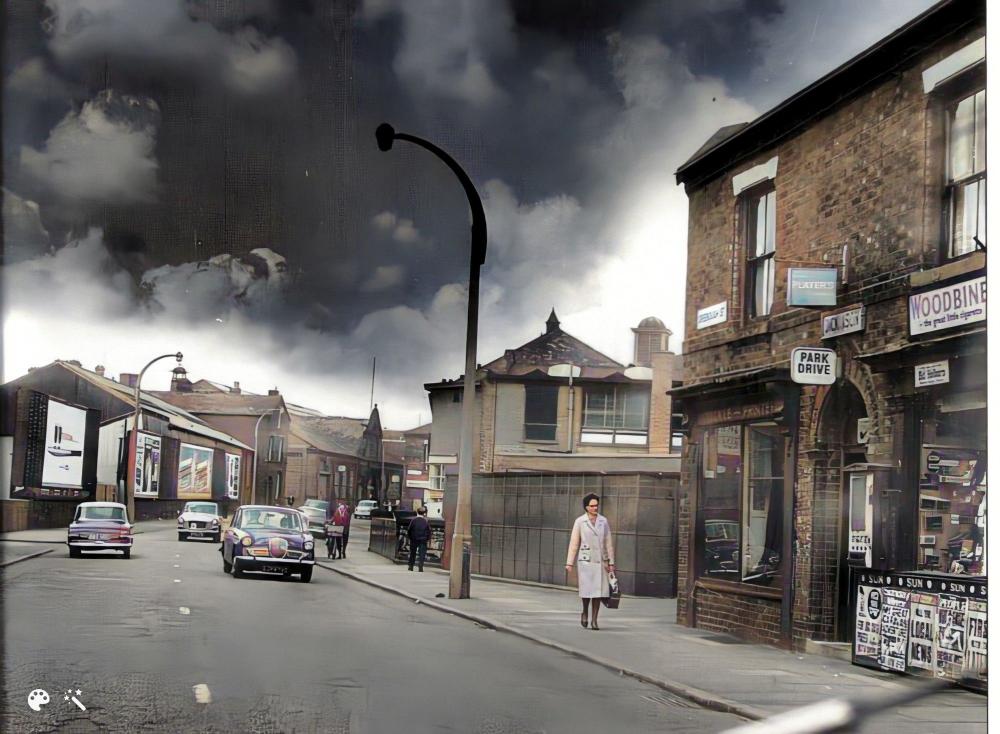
<point x="736" y="587"/>
<point x="954" y="268"/>
<point x="540" y="441"/>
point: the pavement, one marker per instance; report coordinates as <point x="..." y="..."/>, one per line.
<point x="642" y="640"/>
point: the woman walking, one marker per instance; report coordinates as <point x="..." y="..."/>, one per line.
<point x="590" y="547"/>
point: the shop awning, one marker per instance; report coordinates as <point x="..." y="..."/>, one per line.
<point x="959" y="344"/>
<point x="733" y="379"/>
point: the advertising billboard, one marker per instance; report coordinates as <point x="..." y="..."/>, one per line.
<point x="147" y="466"/>
<point x="65" y="429"/>
<point x="812" y="286"/>
<point x="194" y="473"/>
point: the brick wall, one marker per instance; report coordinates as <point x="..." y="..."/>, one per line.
<point x="756" y="620"/>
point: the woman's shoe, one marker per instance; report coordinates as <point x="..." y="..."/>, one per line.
<point x="593" y="625"/>
<point x="583" y="620"/>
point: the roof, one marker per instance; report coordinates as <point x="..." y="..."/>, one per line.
<point x="102" y="504"/>
<point x="729" y="146"/>
<point x="336" y="435"/>
<point x="176" y="416"/>
<point x="651" y="322"/>
<point x="222" y="403"/>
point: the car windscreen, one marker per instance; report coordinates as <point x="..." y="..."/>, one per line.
<point x="319" y="504"/>
<point x="314" y="513"/>
<point x="116" y="514"/>
<point x="269" y="520"/>
<point x="209" y="508"/>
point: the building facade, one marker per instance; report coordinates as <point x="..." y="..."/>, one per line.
<point x="834" y="402"/>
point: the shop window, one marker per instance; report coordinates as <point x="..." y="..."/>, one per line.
<point x="540" y="405"/>
<point x="740" y="513"/>
<point x="966" y="176"/>
<point x="759" y="210"/>
<point x="616" y="414"/>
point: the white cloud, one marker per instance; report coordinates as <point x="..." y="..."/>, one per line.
<point x="405" y="232"/>
<point x="383" y="278"/>
<point x="165" y="31"/>
<point x="384" y="220"/>
<point x="103" y="153"/>
<point x="32" y="78"/>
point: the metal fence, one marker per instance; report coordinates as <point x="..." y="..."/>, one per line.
<point x="521" y="526"/>
<point x="389" y="538"/>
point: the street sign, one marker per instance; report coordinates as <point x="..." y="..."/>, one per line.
<point x="712" y="315"/>
<point x="814" y="366"/>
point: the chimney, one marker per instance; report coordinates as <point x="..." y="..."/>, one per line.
<point x="128" y="378"/>
<point x="99" y="369"/>
<point x="666" y="369"/>
<point x="235" y="389"/>
<point x="651" y="337"/>
<point x="273" y="392"/>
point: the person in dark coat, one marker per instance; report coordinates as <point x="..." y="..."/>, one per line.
<point x="419" y="533"/>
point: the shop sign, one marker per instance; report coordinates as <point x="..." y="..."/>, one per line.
<point x="814" y="366"/>
<point x="845" y="322"/>
<point x="864" y="428"/>
<point x="931" y="373"/>
<point x="945" y="308"/>
<point x="743" y="412"/>
<point x="712" y="315"/>
<point x="812" y="286"/>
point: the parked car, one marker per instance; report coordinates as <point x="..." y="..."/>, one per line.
<point x="365" y="507"/>
<point x="321" y="504"/>
<point x="268" y="539"/>
<point x="199" y="520"/>
<point x="315" y="520"/>
<point x="99" y="526"/>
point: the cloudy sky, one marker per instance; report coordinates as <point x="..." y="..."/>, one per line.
<point x="153" y="147"/>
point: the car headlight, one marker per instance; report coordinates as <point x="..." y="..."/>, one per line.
<point x="308" y="545"/>
<point x="215" y="522"/>
<point x="246" y="540"/>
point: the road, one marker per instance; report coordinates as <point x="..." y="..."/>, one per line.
<point x="166" y="642"/>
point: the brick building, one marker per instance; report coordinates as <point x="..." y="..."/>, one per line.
<point x="851" y="217"/>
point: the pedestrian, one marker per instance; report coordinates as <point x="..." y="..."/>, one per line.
<point x="419" y="533"/>
<point x="342" y="519"/>
<point x="591" y="548"/>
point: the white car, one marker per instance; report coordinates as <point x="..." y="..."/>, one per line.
<point x="199" y="520"/>
<point x="365" y="507"/>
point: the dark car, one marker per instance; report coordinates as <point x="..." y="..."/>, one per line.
<point x="268" y="539"/>
<point x="316" y="519"/>
<point x="99" y="526"/>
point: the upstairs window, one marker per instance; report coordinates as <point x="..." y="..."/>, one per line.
<point x="616" y="414"/>
<point x="966" y="184"/>
<point x="760" y="235"/>
<point x="540" y="407"/>
<point x="275" y="448"/>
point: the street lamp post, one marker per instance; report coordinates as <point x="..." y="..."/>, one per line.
<point x="461" y="539"/>
<point x="130" y="481"/>
<point x="256" y="451"/>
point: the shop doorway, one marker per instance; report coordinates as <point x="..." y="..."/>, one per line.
<point x="843" y="435"/>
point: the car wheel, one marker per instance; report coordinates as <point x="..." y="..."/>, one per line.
<point x="226" y="566"/>
<point x="237" y="573"/>
<point x="127" y="553"/>
<point x="74" y="552"/>
<point x="306" y="575"/>
<point x="180" y="537"/>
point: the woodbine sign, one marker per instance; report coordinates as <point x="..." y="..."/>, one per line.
<point x="948" y="307"/>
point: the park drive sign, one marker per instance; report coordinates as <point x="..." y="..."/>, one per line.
<point x="814" y="366"/>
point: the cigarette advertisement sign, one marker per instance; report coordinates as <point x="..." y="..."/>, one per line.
<point x="194" y="473"/>
<point x="147" y="466"/>
<point x="812" y="286"/>
<point x="814" y="366"/>
<point x="233" y="476"/>
<point x="65" y="429"/>
<point x="922" y="624"/>
<point x="948" y="307"/>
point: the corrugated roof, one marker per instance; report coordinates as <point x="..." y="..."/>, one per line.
<point x="176" y="416"/>
<point x="222" y="403"/>
<point x="327" y="433"/>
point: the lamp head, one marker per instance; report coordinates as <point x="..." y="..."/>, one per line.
<point x="384" y="134"/>
<point x="179" y="357"/>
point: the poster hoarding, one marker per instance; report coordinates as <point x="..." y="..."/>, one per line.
<point x="65" y="430"/>
<point x="233" y="476"/>
<point x="194" y="473"/>
<point x="147" y="466"/>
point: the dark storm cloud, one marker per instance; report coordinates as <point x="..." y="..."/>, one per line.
<point x="570" y="117"/>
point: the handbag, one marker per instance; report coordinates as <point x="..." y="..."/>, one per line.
<point x="334" y="529"/>
<point x="614" y="597"/>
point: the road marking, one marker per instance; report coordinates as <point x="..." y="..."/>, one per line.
<point x="183" y="610"/>
<point x="202" y="694"/>
<point x="177" y="581"/>
<point x="177" y="565"/>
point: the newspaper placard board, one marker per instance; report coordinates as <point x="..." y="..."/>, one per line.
<point x="924" y="624"/>
<point x="931" y="373"/>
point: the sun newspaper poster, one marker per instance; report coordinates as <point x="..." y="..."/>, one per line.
<point x="975" y="651"/>
<point x="868" y="622"/>
<point x="923" y="631"/>
<point x="952" y="611"/>
<point x="893" y="631"/>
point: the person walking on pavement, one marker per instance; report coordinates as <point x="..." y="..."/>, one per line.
<point x="342" y="519"/>
<point x="591" y="548"/>
<point x="419" y="533"/>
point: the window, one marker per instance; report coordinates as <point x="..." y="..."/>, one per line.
<point x="616" y="414"/>
<point x="540" y="404"/>
<point x="966" y="184"/>
<point x="275" y="446"/>
<point x="740" y="505"/>
<point x="760" y="236"/>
